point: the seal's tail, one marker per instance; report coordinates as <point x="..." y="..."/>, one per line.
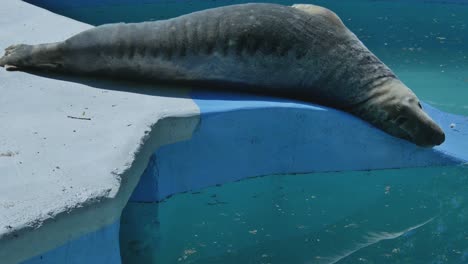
<point x="41" y="57"/>
<point x="16" y="56"/>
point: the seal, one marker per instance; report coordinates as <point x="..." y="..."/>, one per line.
<point x="302" y="51"/>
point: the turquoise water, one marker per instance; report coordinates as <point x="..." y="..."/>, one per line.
<point x="389" y="216"/>
<point x="393" y="216"/>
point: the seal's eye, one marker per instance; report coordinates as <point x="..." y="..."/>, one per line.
<point x="400" y="120"/>
<point x="419" y="104"/>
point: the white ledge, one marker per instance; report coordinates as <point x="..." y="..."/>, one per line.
<point x="64" y="177"/>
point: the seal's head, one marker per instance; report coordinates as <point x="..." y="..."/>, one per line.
<point x="412" y="123"/>
<point x="394" y="108"/>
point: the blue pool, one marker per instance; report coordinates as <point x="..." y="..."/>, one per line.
<point x="392" y="216"/>
<point x="412" y="215"/>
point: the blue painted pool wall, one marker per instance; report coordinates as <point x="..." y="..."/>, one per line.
<point x="98" y="247"/>
<point x="244" y="136"/>
<point x="147" y="188"/>
<point x="139" y="239"/>
<point x="139" y="232"/>
<point x="60" y="4"/>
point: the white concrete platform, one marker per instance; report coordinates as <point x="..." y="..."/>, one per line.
<point x="62" y="177"/>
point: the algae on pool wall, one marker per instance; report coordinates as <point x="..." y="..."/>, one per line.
<point x="139" y="233"/>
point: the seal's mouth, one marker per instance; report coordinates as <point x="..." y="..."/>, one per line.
<point x="427" y="136"/>
<point x="406" y="135"/>
<point x="435" y="138"/>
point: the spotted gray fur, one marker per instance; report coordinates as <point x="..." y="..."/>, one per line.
<point x="303" y="51"/>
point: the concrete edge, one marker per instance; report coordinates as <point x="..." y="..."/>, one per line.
<point x="164" y="131"/>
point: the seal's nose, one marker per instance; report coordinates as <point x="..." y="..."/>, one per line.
<point x="438" y="137"/>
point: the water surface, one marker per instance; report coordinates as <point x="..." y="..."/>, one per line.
<point x="389" y="216"/>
